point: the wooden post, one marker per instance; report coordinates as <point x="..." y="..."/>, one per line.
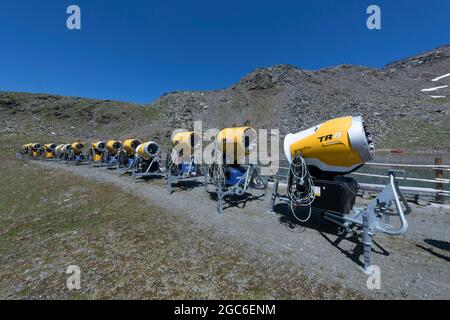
<point x="439" y="174"/>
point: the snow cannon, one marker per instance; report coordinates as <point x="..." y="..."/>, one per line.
<point x="36" y="150"/>
<point x="147" y="162"/>
<point x="49" y="151"/>
<point x="130" y="145"/>
<point x="148" y="150"/>
<point x="180" y="161"/>
<point x="96" y="153"/>
<point x="229" y="173"/>
<point x="319" y="158"/>
<point x="62" y="151"/>
<point x="126" y="156"/>
<point x="26" y="149"/>
<point x="77" y="153"/>
<point x="335" y="147"/>
<point x="112" y="150"/>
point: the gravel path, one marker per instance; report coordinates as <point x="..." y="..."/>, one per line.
<point x="414" y="266"/>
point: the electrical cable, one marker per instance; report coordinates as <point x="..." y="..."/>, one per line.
<point x="300" y="188"/>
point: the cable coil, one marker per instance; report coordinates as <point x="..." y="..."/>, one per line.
<point x="300" y="187"/>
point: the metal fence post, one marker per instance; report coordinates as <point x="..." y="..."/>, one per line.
<point x="439" y="174"/>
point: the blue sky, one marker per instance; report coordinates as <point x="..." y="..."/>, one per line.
<point x="137" y="50"/>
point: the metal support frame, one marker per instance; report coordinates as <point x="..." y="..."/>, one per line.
<point x="178" y="176"/>
<point x="71" y="159"/>
<point x="147" y="173"/>
<point x="238" y="188"/>
<point x="375" y="218"/>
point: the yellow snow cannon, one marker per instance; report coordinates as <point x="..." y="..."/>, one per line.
<point x="113" y="146"/>
<point x="36" y="150"/>
<point x="97" y="152"/>
<point x="112" y="150"/>
<point x="148" y="150"/>
<point x="130" y="145"/>
<point x="77" y="153"/>
<point x="26" y="149"/>
<point x="180" y="161"/>
<point x="147" y="162"/>
<point x="319" y="158"/>
<point x="49" y="151"/>
<point x="335" y="147"/>
<point x="229" y="174"/>
<point x="126" y="156"/>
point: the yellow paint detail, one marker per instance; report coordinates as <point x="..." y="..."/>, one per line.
<point x="128" y="145"/>
<point x="97" y="157"/>
<point x="113" y="146"/>
<point x="329" y="144"/>
<point x="77" y="147"/>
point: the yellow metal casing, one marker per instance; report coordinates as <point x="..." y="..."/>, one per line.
<point x="339" y="145"/>
<point x="113" y="146"/>
<point x="26" y="148"/>
<point x="97" y="150"/>
<point x="49" y="150"/>
<point x="130" y="145"/>
<point x="148" y="150"/>
<point x="77" y="147"/>
<point x="36" y="149"/>
<point x="236" y="142"/>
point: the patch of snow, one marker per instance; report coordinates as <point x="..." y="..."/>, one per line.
<point x="437" y="97"/>
<point x="434" y="89"/>
<point x="441" y="77"/>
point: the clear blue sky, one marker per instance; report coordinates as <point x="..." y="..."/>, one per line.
<point x="137" y="50"/>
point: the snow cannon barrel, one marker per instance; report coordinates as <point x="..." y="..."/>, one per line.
<point x="335" y="147"/>
<point x="77" y="147"/>
<point x="49" y="150"/>
<point x="36" y="149"/>
<point x="130" y="145"/>
<point x="186" y="142"/>
<point x="237" y="142"/>
<point x="113" y="146"/>
<point x="148" y="150"/>
<point x="26" y="148"/>
<point x="63" y="149"/>
<point x="99" y="146"/>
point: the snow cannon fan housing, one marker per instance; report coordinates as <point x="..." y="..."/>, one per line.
<point x="148" y="150"/>
<point x="62" y="149"/>
<point x="77" y="147"/>
<point x="49" y="150"/>
<point x="130" y="146"/>
<point x="114" y="146"/>
<point x="236" y="143"/>
<point x="335" y="147"/>
<point x="36" y="149"/>
<point x="99" y="147"/>
<point x="26" y="149"/>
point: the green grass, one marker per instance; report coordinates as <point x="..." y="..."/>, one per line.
<point x="414" y="134"/>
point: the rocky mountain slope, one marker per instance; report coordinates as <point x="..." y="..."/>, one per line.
<point x="402" y="104"/>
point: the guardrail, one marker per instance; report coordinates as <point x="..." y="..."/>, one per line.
<point x="417" y="188"/>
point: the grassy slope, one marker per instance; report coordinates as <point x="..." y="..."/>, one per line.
<point x="125" y="248"/>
